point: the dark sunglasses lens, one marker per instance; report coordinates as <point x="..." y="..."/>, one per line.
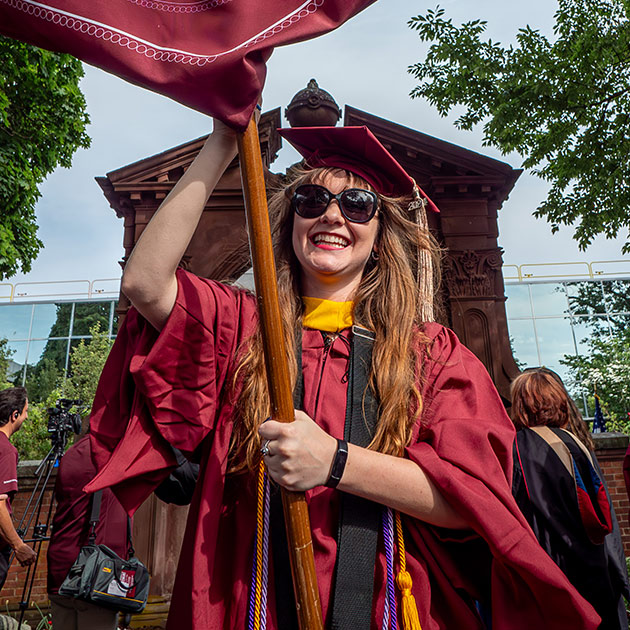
<point x="358" y="205"/>
<point x="310" y="201"/>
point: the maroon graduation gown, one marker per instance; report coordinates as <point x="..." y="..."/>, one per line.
<point x="176" y="387"/>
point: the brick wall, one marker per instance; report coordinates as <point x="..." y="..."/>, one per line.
<point x="13" y="589"/>
<point x="610" y="451"/>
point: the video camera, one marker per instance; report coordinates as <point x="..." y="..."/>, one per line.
<point x="61" y="422"/>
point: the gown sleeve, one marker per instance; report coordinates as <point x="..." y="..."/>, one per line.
<point x="465" y="446"/>
<point x="171" y="388"/>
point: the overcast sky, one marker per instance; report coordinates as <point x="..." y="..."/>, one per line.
<point x="362" y="64"/>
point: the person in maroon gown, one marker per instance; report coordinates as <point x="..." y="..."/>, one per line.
<point x="187" y="371"/>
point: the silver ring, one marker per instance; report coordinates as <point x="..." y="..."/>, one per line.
<point x="264" y="451"/>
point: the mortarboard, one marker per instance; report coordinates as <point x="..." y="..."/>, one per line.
<point x="355" y="149"/>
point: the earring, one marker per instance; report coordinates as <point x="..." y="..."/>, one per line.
<point x="374" y="255"/>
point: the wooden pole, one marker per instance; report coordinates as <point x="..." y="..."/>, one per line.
<point x="294" y="503"/>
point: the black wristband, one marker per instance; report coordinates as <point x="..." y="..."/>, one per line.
<point x="338" y="465"/>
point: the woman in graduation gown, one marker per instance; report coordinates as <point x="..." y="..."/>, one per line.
<point x="187" y="371"/>
<point x="560" y="488"/>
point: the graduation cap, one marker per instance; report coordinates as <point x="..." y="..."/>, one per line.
<point x="355" y="149"/>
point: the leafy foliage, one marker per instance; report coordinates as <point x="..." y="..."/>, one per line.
<point x="42" y="379"/>
<point x="32" y="440"/>
<point x="86" y="366"/>
<point x="564" y="106"/>
<point x="605" y="369"/>
<point x="42" y="123"/>
<point x="5" y="356"/>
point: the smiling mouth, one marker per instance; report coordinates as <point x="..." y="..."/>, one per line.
<point x="330" y="241"/>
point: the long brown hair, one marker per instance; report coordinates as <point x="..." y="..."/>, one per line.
<point x="539" y="398"/>
<point x="387" y="302"/>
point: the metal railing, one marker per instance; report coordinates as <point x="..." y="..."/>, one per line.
<point x="64" y="289"/>
<point x="599" y="269"/>
<point x="110" y="287"/>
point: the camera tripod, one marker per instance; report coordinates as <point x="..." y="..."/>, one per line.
<point x="60" y="424"/>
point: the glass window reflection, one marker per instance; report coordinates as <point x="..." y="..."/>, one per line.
<point x="616" y="296"/>
<point x="44" y="318"/>
<point x="549" y="299"/>
<point x="585" y="328"/>
<point x="15" y="320"/>
<point x="518" y="303"/>
<point x="18" y="358"/>
<point x="554" y="340"/>
<point x="586" y="297"/>
<point x="523" y="340"/>
<point x="87" y="314"/>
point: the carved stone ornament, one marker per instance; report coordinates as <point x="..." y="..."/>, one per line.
<point x="471" y="274"/>
<point x="313" y="107"/>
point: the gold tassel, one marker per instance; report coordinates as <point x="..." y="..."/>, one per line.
<point x="408" y="608"/>
<point x="425" y="271"/>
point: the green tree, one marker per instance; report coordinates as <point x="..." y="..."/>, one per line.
<point x="42" y="379"/>
<point x="42" y="123"/>
<point x="605" y="367"/>
<point x="605" y="370"/>
<point x="32" y="440"/>
<point x="5" y="357"/>
<point x="563" y="105"/>
<point x="86" y="364"/>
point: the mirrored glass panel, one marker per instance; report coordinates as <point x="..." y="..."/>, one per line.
<point x="15" y="320"/>
<point x="549" y="299"/>
<point x="523" y="342"/>
<point x="555" y="340"/>
<point x="586" y="297"/>
<point x="36" y="349"/>
<point x="617" y="296"/>
<point x="18" y="358"/>
<point x="585" y="328"/>
<point x="518" y="304"/>
<point x="87" y="314"/>
<point x="44" y="319"/>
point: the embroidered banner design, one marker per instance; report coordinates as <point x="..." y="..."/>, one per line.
<point x="207" y="54"/>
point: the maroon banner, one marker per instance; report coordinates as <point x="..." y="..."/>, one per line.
<point x="207" y="54"/>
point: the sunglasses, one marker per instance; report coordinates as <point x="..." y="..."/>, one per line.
<point x="356" y="204"/>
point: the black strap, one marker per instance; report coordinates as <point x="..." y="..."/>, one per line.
<point x="131" y="552"/>
<point x="95" y="515"/>
<point x="286" y="612"/>
<point x="357" y="536"/>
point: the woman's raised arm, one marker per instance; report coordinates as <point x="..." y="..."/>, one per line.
<point x="149" y="277"/>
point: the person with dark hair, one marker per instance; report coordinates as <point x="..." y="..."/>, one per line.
<point x="561" y="490"/>
<point x="71" y="531"/>
<point x="400" y="440"/>
<point x="13" y="413"/>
